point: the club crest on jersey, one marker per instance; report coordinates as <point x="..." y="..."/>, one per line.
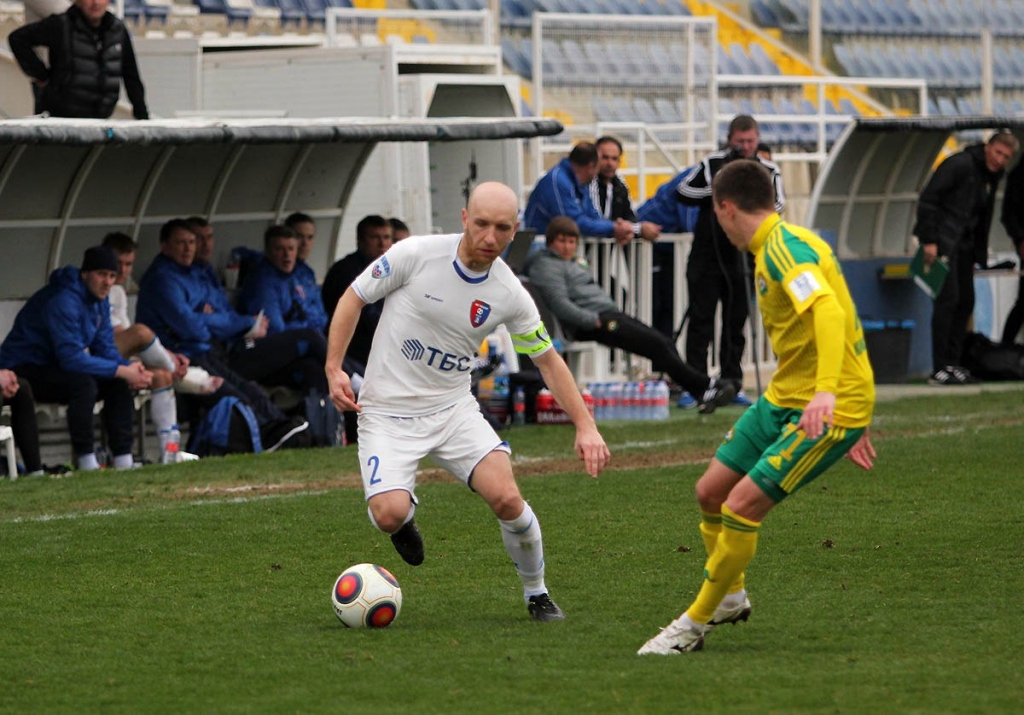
<point x="478" y="313"/>
<point x="381" y="269"/>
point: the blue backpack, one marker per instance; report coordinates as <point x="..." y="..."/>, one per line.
<point x="230" y="427"/>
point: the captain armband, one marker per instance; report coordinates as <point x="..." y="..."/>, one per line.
<point x="532" y="343"/>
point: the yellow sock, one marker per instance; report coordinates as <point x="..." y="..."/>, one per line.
<point x="735" y="547"/>
<point x="710" y="529"/>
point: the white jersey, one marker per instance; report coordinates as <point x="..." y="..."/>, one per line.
<point x="119" y="307"/>
<point x="436" y="315"/>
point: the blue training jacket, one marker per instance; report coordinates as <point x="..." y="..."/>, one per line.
<point x="665" y="208"/>
<point x="558" y="193"/>
<point x="283" y="298"/>
<point x="65" y="326"/>
<point x="171" y="302"/>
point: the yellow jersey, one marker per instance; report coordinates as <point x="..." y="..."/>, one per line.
<point x="811" y="322"/>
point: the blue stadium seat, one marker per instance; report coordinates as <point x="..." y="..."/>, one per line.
<point x="796" y="133"/>
<point x="133" y="10"/>
<point x="220" y="7"/>
<point x="513" y="57"/>
<point x="644" y="111"/>
<point x="739" y="55"/>
<point x="765" y="64"/>
<point x="763" y="14"/>
<point x="668" y="112"/>
<point x="603" y="111"/>
<point x="947" y="107"/>
<point x="292" y="11"/>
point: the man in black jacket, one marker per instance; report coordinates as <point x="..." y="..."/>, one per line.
<point x="609" y="192"/>
<point x="715" y="270"/>
<point x="1013" y="222"/>
<point x="954" y="214"/>
<point x="90" y="53"/>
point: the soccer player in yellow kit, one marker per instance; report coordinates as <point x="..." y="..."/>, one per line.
<point x="816" y="409"/>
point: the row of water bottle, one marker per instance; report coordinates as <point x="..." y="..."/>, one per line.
<point x="647" y="400"/>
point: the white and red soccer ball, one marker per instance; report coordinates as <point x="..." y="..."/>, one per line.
<point x="366" y="596"/>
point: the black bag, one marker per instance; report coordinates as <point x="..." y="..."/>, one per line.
<point x="991" y="361"/>
<point x="229" y="427"/>
<point x="326" y="428"/>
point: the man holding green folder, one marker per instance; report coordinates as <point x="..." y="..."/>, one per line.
<point x="954" y="214"/>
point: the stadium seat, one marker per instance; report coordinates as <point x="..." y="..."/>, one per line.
<point x="602" y="109"/>
<point x="763" y="14"/>
<point x="644" y="111"/>
<point x="221" y="7"/>
<point x="947" y="107"/>
<point x="668" y="112"/>
<point x="292" y="11"/>
<point x="765" y="64"/>
<point x="739" y="55"/>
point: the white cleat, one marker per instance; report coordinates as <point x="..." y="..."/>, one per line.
<point x="733" y="614"/>
<point x="679" y="636"/>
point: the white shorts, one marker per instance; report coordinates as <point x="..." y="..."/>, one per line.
<point x="390" y="448"/>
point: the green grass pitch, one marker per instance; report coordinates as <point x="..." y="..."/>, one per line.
<point x="205" y="587"/>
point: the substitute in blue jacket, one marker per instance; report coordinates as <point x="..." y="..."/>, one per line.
<point x="305" y="230"/>
<point x="274" y="286"/>
<point x="294" y="350"/>
<point x="193" y="317"/>
<point x="62" y="343"/>
<point x="565" y="191"/>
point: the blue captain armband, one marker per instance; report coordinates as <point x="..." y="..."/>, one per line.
<point x="532" y="343"/>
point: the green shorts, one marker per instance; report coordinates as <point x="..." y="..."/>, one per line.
<point x="766" y="445"/>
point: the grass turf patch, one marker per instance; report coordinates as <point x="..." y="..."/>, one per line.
<point x="205" y="587"/>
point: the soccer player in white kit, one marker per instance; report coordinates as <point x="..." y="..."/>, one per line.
<point x="444" y="295"/>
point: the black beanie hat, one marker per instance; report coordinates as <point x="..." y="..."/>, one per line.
<point x="100" y="258"/>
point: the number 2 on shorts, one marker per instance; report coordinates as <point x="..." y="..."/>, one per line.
<point x="374" y="462"/>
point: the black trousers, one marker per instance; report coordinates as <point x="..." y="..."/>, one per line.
<point x="707" y="288"/>
<point x="1015" y="318"/>
<point x="619" y="330"/>
<point x="24" y="425"/>
<point x="294" y="358"/>
<point x="952" y="310"/>
<point x="80" y="392"/>
<point x="234" y="385"/>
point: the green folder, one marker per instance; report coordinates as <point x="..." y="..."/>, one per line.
<point x="929" y="279"/>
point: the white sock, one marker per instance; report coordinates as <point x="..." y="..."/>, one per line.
<point x="88" y="462"/>
<point x="526" y="549"/>
<point x="155" y="355"/>
<point x="124" y="461"/>
<point x="163" y="409"/>
<point x="732" y="600"/>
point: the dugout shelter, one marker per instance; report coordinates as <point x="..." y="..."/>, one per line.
<point x="65" y="183"/>
<point x="864" y="202"/>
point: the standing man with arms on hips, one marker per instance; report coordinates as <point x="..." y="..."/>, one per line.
<point x="816" y="409"/>
<point x="715" y="271"/>
<point x="954" y="214"/>
<point x="445" y="294"/>
<point x="90" y="53"/>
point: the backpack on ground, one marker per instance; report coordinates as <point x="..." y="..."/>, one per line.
<point x="326" y="427"/>
<point x="993" y="361"/>
<point x="230" y="427"/>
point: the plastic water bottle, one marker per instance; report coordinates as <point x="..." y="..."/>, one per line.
<point x="661" y="399"/>
<point x="171" y="445"/>
<point x="630" y="401"/>
<point x="588" y="400"/>
<point x="600" y="392"/>
<point x="519" y="407"/>
<point x="545" y="406"/>
<point x="615" y="409"/>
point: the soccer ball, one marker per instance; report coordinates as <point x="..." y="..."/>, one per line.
<point x="366" y="596"/>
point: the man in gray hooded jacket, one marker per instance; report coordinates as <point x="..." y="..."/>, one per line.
<point x="586" y="312"/>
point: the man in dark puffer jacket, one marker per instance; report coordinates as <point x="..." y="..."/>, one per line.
<point x="90" y="54"/>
